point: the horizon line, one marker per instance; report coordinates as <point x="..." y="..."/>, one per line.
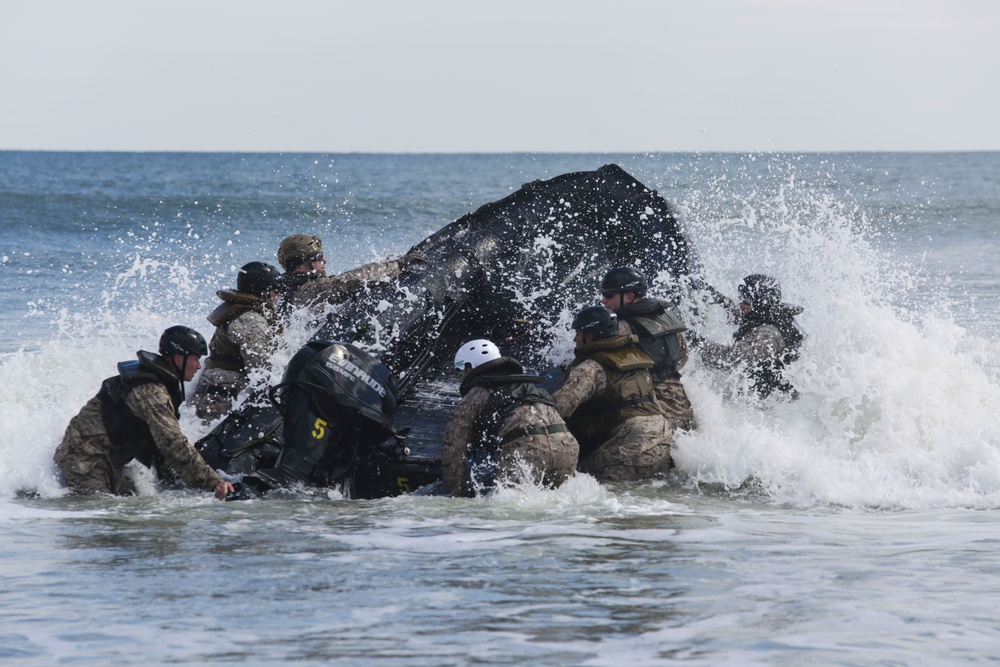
<point x="510" y="152"/>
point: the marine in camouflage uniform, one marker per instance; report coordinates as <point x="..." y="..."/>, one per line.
<point x="245" y="326"/>
<point x="306" y="285"/>
<point x="660" y="334"/>
<point x="134" y="416"/>
<point x="610" y="404"/>
<point x="503" y="426"/>
<point x="766" y="340"/>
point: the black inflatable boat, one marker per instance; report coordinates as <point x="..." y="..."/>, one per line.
<point x="354" y="411"/>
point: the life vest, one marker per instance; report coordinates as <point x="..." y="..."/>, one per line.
<point x="223" y="352"/>
<point x="129" y="434"/>
<point x="509" y="387"/>
<point x="629" y="391"/>
<point x="657" y="329"/>
<point x="768" y="377"/>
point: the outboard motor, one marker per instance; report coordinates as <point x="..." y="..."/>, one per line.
<point x="336" y="399"/>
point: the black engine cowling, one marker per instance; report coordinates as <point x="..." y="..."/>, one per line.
<point x="336" y="401"/>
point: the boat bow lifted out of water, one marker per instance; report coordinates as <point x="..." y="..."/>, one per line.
<point x="514" y="271"/>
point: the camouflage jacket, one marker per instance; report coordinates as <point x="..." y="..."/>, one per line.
<point x="86" y="441"/>
<point x="314" y="292"/>
<point x="458" y="434"/>
<point x="762" y="346"/>
<point x="242" y="344"/>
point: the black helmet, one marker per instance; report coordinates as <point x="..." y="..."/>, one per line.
<point x="182" y="340"/>
<point x="760" y="291"/>
<point x="257" y="278"/>
<point x="597" y="320"/>
<point x="624" y="279"/>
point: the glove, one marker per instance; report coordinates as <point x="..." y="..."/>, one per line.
<point x="412" y="258"/>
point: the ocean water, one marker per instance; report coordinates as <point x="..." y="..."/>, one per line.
<point x="856" y="526"/>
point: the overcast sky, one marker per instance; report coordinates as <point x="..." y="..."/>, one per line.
<point x="501" y="75"/>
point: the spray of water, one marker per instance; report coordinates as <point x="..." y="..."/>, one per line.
<point x="898" y="401"/>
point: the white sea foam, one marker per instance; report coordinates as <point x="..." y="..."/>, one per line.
<point x="898" y="402"/>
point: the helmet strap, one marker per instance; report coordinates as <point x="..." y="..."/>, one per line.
<point x="180" y="372"/>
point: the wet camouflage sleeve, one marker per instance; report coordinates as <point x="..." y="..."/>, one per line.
<point x="253" y="335"/>
<point x="373" y="271"/>
<point x="337" y="288"/>
<point x="151" y="403"/>
<point x="583" y="383"/>
<point x="760" y="347"/>
<point x="458" y="435"/>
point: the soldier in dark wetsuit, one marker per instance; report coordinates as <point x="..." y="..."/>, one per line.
<point x="504" y="427"/>
<point x="660" y="334"/>
<point x="767" y="338"/>
<point x="245" y="326"/>
<point x="610" y="403"/>
<point x="135" y="416"/>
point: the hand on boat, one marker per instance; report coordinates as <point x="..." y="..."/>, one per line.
<point x="412" y="258"/>
<point x="223" y="489"/>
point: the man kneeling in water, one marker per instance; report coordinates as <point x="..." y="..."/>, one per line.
<point x="245" y="330"/>
<point x="609" y="401"/>
<point x="503" y="421"/>
<point x="135" y="416"/>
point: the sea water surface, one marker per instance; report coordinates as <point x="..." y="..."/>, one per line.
<point x="856" y="526"/>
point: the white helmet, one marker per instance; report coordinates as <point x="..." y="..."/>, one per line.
<point x="475" y="352"/>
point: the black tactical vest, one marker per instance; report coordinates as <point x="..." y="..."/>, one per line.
<point x="129" y="434"/>
<point x="769" y="376"/>
<point x="290" y="283"/>
<point x="507" y="391"/>
<point x="657" y="329"/>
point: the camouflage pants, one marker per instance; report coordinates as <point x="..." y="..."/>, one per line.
<point x="552" y="458"/>
<point x="675" y="404"/>
<point x="86" y="468"/>
<point x="637" y="449"/>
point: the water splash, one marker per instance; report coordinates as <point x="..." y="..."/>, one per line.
<point x="897" y="399"/>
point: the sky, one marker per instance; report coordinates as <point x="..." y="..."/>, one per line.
<point x="500" y="76"/>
